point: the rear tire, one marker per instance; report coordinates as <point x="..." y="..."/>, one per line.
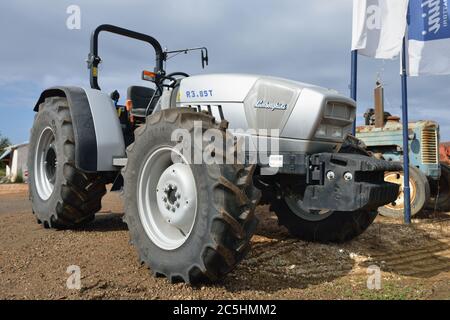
<point x="440" y="199"/>
<point x="62" y="195"/>
<point x="419" y="191"/>
<point x="212" y="238"/>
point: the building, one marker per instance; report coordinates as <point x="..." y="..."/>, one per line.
<point x="15" y="158"/>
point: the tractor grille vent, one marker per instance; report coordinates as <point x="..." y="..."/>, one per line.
<point x="429" y="146"/>
<point x="339" y="111"/>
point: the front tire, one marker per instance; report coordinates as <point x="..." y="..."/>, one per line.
<point x="322" y="227"/>
<point x="419" y="193"/>
<point x="62" y="195"/>
<point x="319" y="226"/>
<point x="189" y="222"/>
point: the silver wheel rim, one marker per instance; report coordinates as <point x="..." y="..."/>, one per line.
<point x="295" y="203"/>
<point x="45" y="164"/>
<point x="397" y="178"/>
<point x="167" y="198"/>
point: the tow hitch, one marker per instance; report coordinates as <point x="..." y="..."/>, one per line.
<point x="348" y="182"/>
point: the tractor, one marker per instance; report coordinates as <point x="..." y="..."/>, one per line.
<point x="195" y="154"/>
<point x="429" y="179"/>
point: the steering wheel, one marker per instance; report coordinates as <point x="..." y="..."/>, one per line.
<point x="172" y="77"/>
<point x="174" y="74"/>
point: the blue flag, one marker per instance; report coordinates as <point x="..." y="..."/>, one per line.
<point x="428" y="37"/>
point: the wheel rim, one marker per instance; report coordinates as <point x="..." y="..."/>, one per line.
<point x="45" y="164"/>
<point x="167" y="198"/>
<point x="295" y="203"/>
<point x="397" y="178"/>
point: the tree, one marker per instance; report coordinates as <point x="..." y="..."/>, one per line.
<point x="4" y="142"/>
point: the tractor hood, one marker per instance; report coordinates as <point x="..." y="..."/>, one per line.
<point x="260" y="102"/>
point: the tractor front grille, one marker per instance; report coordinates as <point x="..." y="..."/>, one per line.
<point x="429" y="146"/>
<point x="337" y="121"/>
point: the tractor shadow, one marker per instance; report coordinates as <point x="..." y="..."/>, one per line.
<point x="432" y="214"/>
<point x="105" y="222"/>
<point x="110" y="217"/>
<point x="278" y="261"/>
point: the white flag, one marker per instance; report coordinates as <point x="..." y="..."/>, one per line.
<point x="379" y="27"/>
<point x="429" y="38"/>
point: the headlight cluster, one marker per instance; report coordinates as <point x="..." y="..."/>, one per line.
<point x="330" y="131"/>
<point x="337" y="121"/>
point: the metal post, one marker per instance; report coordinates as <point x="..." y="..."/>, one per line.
<point x="406" y="190"/>
<point x="354" y="82"/>
<point x="378" y="94"/>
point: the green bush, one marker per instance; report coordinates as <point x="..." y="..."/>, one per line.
<point x="19" y="178"/>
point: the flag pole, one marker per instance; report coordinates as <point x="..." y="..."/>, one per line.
<point x="406" y="190"/>
<point x="354" y="83"/>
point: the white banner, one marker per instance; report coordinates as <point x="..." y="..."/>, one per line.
<point x="429" y="38"/>
<point x="379" y="27"/>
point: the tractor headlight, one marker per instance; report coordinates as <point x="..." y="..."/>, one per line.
<point x="321" y="131"/>
<point x="335" y="132"/>
<point x="329" y="131"/>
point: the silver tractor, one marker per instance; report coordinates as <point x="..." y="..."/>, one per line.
<point x="195" y="155"/>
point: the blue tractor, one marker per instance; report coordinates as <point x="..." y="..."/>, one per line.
<point x="382" y="134"/>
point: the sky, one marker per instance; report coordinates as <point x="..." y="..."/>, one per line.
<point x="303" y="40"/>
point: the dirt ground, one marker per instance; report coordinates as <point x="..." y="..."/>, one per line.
<point x="414" y="260"/>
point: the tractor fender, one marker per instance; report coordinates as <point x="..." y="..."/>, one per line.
<point x="98" y="134"/>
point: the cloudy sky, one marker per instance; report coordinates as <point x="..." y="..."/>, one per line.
<point x="305" y="40"/>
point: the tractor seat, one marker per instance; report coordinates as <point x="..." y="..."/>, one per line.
<point x="140" y="98"/>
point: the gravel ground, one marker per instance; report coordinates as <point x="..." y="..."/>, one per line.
<point x="414" y="260"/>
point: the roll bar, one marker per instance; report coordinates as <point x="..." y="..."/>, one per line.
<point x="94" y="59"/>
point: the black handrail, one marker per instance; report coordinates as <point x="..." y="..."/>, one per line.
<point x="94" y="59"/>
